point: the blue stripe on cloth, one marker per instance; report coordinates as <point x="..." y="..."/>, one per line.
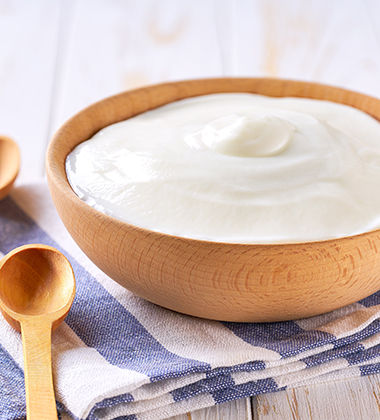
<point x="243" y="367"/>
<point x="204" y="386"/>
<point x="369" y="369"/>
<point x="216" y="379"/>
<point x="108" y="403"/>
<point x="223" y="388"/>
<point x="371" y="300"/>
<point x="363" y="356"/>
<point x="332" y="354"/>
<point x="12" y="390"/>
<point x="286" y="338"/>
<point x="62" y="409"/>
<point x="245" y="390"/>
<point x="96" y="316"/>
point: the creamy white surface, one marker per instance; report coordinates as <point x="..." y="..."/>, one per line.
<point x="237" y="168"/>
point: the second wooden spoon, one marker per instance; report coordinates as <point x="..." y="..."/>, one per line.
<point x="9" y="164"/>
<point x="37" y="288"/>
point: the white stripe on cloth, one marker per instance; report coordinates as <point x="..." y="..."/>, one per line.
<point x="342" y="322"/>
<point x="194" y="403"/>
<point x="371" y="341"/>
<point x="291" y="378"/>
<point x="345" y="373"/>
<point x="94" y="378"/>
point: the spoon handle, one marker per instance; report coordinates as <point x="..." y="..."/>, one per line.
<point x="40" y="399"/>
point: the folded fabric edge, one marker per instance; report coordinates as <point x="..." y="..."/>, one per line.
<point x="232" y="385"/>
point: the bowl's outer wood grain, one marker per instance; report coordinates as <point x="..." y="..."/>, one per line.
<point x="231" y="282"/>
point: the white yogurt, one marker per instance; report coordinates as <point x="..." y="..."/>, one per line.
<point x="238" y="168"/>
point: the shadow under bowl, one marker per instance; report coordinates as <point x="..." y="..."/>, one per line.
<point x="223" y="281"/>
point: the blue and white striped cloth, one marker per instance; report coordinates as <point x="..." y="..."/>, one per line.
<point x="118" y="356"/>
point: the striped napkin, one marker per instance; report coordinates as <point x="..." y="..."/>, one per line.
<point x="118" y="356"/>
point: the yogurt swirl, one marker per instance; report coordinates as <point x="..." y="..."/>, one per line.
<point x="244" y="135"/>
<point x="238" y="168"/>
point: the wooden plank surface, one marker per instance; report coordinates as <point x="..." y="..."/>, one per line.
<point x="355" y="399"/>
<point x="29" y="34"/>
<point x="132" y="44"/>
<point x="58" y="56"/>
<point x="234" y="410"/>
<point x="318" y="40"/>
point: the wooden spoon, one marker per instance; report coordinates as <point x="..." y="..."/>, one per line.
<point x="9" y="164"/>
<point x="37" y="288"/>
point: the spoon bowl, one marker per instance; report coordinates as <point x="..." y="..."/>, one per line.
<point x="9" y="164"/>
<point x="37" y="288"/>
<point x="42" y="282"/>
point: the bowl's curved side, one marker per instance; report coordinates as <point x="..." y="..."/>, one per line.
<point x="232" y="282"/>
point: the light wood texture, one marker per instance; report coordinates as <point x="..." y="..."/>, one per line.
<point x="239" y="410"/>
<point x="9" y="164"/>
<point x="256" y="282"/>
<point x="58" y="56"/>
<point x="37" y="288"/>
<point x="134" y="43"/>
<point x="362" y="402"/>
<point x="40" y="398"/>
<point x="29" y="37"/>
<point x="309" y="40"/>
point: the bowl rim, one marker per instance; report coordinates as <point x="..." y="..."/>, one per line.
<point x="56" y="171"/>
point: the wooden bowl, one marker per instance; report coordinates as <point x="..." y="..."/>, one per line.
<point x="223" y="281"/>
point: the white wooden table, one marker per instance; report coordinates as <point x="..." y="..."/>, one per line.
<point x="57" y="56"/>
